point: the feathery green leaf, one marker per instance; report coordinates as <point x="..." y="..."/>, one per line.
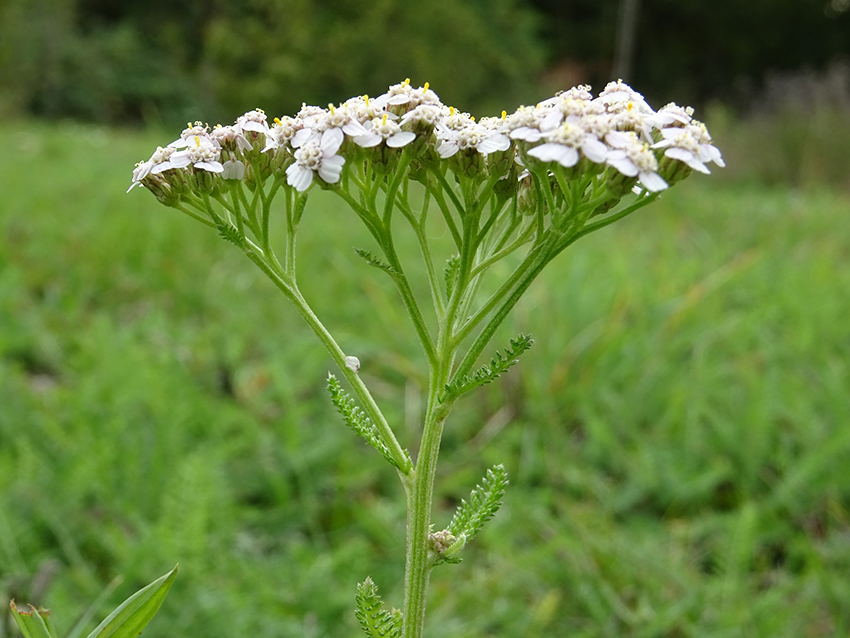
<point x="231" y="234"/>
<point x="484" y="502"/>
<point x="370" y="259"/>
<point x="376" y="621"/>
<point x="357" y="420"/>
<point x="450" y="273"/>
<point x="485" y="374"/>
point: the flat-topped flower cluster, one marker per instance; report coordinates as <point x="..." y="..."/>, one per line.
<point x="616" y="131"/>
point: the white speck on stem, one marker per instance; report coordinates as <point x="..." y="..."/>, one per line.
<point x="352" y="363"/>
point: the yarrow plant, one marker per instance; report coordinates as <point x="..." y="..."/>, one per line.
<point x="520" y="187"/>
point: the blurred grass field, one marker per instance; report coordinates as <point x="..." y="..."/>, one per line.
<point x="677" y="439"/>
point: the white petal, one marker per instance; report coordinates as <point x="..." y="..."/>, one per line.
<point x="670" y="133"/>
<point x="369" y="140"/>
<point x="550" y="152"/>
<point x="526" y="133"/>
<point x="400" y="139"/>
<point x="569" y="157"/>
<point x="354" y="129"/>
<point x="618" y="160"/>
<point x="552" y="120"/>
<point x="688" y="158"/>
<point x="709" y="153"/>
<point x="494" y="143"/>
<point x="446" y="148"/>
<point x="257" y="127"/>
<point x="212" y="167"/>
<point x="331" y="141"/>
<point x="653" y="182"/>
<point x="401" y="98"/>
<point x="335" y="160"/>
<point x="331" y="168"/>
<point x="301" y="137"/>
<point x="233" y="169"/>
<point x="618" y="139"/>
<point x="142" y="171"/>
<point x="594" y="150"/>
<point x="299" y="177"/>
<point x="181" y="143"/>
<point x="179" y="159"/>
<point x="164" y="166"/>
<point x="242" y="143"/>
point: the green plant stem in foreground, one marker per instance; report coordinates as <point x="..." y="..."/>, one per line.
<point x="418" y="481"/>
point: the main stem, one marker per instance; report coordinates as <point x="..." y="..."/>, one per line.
<point x="419" y="501"/>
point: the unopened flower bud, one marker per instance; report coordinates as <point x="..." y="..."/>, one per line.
<point x="526" y="195"/>
<point x="440" y="541"/>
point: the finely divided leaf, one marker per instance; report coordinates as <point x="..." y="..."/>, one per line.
<point x="358" y="421"/>
<point x="370" y="259"/>
<point x="490" y="372"/>
<point x="450" y="273"/>
<point x="231" y="234"/>
<point x="484" y="502"/>
<point x="376" y="621"/>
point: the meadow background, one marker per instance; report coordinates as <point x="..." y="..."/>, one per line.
<point x="677" y="439"/>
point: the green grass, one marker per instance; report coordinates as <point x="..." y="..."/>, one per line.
<point x="677" y="439"/>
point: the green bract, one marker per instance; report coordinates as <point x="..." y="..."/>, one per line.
<point x="526" y="185"/>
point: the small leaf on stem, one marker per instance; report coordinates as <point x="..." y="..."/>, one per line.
<point x="357" y="420"/>
<point x="487" y="373"/>
<point x="376" y="621"/>
<point x="450" y="273"/>
<point x="484" y="502"/>
<point x="373" y="261"/>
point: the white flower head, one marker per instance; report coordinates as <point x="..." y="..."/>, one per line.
<point x="672" y="115"/>
<point x="160" y="161"/>
<point x="383" y="129"/>
<point x="690" y="144"/>
<point x="637" y="160"/>
<point x="564" y="143"/>
<point x="426" y="115"/>
<point x="254" y="121"/>
<point x="198" y="129"/>
<point x="317" y="156"/>
<point x="403" y="94"/>
<point x="459" y="131"/>
<point x="201" y="153"/>
<point x="616" y="95"/>
<point x="566" y="107"/>
<point x="281" y="132"/>
<point x="228" y="135"/>
<point x="525" y="124"/>
<point x="341" y="118"/>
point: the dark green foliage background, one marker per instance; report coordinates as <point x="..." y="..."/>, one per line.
<point x="168" y="62"/>
<point x="676" y="439"/>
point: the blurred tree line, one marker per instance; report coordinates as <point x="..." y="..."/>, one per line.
<point x="167" y="61"/>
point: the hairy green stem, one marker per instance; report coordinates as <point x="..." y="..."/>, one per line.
<point x="419" y="503"/>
